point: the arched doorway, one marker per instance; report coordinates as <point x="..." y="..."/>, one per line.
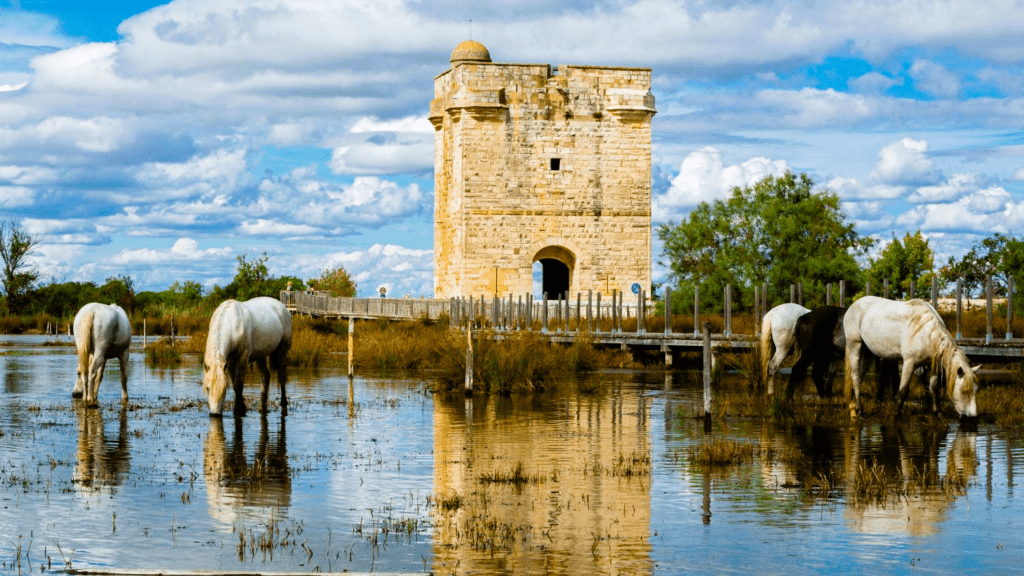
<point x="557" y="266"/>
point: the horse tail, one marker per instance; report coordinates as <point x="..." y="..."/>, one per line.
<point x="765" y="345"/>
<point x="85" y="344"/>
<point x="847" y="374"/>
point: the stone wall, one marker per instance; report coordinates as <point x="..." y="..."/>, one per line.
<point x="499" y="200"/>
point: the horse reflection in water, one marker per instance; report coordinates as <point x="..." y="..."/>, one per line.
<point x="101" y="463"/>
<point x="920" y="489"/>
<point x="236" y="489"/>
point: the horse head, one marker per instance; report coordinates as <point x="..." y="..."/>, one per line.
<point x="963" y="386"/>
<point x="216" y="380"/>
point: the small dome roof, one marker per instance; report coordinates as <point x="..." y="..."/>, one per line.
<point x="470" y="51"/>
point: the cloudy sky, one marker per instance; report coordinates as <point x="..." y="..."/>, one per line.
<point x="163" y="140"/>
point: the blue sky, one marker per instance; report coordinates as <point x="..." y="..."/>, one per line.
<point x="163" y="140"/>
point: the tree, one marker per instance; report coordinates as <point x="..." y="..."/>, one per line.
<point x="251" y="278"/>
<point x="16" y="245"/>
<point x="336" y="281"/>
<point x="970" y="270"/>
<point x="119" y="290"/>
<point x="778" y="231"/>
<point x="904" y="262"/>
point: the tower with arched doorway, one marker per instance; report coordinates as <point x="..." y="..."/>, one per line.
<point x="534" y="164"/>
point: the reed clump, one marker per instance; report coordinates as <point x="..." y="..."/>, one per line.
<point x="162" y="352"/>
<point x="312" y="347"/>
<point x="721" y="452"/>
<point x="399" y="346"/>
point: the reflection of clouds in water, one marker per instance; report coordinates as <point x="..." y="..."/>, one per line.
<point x="594" y="446"/>
<point x="100" y="464"/>
<point x="237" y="490"/>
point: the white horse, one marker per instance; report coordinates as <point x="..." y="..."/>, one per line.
<point x="778" y="328"/>
<point x="913" y="332"/>
<point x="101" y="332"/>
<point x="243" y="332"/>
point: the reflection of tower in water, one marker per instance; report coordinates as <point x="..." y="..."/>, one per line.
<point x="582" y="504"/>
<point x="236" y="489"/>
<point x="100" y="463"/>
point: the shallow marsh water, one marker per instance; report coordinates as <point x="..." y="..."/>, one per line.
<point x="404" y="481"/>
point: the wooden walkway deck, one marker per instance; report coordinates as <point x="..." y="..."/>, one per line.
<point x="505" y="316"/>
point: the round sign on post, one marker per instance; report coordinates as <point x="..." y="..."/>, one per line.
<point x="383" y="291"/>
<point x="635" y="287"/>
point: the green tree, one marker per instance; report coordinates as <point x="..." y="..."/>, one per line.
<point x="64" y="299"/>
<point x="969" y="269"/>
<point x="119" y="290"/>
<point x="779" y="231"/>
<point x="336" y="281"/>
<point x="904" y="262"/>
<point x="16" y="245"/>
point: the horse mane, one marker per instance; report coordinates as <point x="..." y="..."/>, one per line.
<point x="946" y="353"/>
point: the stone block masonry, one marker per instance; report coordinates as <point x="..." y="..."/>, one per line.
<point x="540" y="164"/>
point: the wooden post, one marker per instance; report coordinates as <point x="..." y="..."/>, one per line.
<point x="757" y="310"/>
<point x="598" y="311"/>
<point x="885" y="288"/>
<point x="143" y="332"/>
<point x="568" y="309"/>
<point x="1009" y="306"/>
<point x="639" y="325"/>
<point x="668" y="310"/>
<point x="912" y="292"/>
<point x="578" y="322"/>
<point x="519" y="313"/>
<point x="469" y="358"/>
<point x="590" y="310"/>
<point x="792" y="293"/>
<point x="728" y="309"/>
<point x="959" y="306"/>
<point x="708" y="367"/>
<point x="935" y="291"/>
<point x="544" y="314"/>
<point x="988" y="308"/>
<point x="800" y="293"/>
<point x="842" y="293"/>
<point x="351" y="346"/>
<point x="558" y="317"/>
<point x="867" y="288"/>
<point x="696" y="310"/>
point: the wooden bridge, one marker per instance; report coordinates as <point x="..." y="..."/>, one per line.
<point x="614" y="323"/>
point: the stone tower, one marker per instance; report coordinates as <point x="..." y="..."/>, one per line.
<point x="535" y="164"/>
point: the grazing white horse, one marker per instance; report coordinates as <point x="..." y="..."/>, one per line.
<point x="913" y="332"/>
<point x="102" y="332"/>
<point x="241" y="332"/>
<point x="778" y="328"/>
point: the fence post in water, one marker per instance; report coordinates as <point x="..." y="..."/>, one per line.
<point x="885" y="288"/>
<point x="351" y="347"/>
<point x="988" y="308"/>
<point x="1009" y="306"/>
<point x="708" y="367"/>
<point x="469" y="358"/>
<point x="959" y="306"/>
<point x="143" y="332"/>
<point x="668" y="310"/>
<point x="728" y="309"/>
<point x="696" y="310"/>
<point x="544" y="314"/>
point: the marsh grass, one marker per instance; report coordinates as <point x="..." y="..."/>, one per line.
<point x="163" y="352"/>
<point x="397" y="346"/>
<point x="721" y="452"/>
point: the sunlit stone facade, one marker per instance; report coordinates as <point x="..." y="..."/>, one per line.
<point x="536" y="163"/>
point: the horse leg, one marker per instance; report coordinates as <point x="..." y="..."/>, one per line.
<point x="856" y="367"/>
<point x="773" y="366"/>
<point x="265" y="380"/>
<point x="96" y="369"/>
<point x="933" y="391"/>
<point x="905" y="376"/>
<point x="797" y="376"/>
<point x="238" y="381"/>
<point x="280" y="365"/>
<point x="122" y="362"/>
<point x="821" y="373"/>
